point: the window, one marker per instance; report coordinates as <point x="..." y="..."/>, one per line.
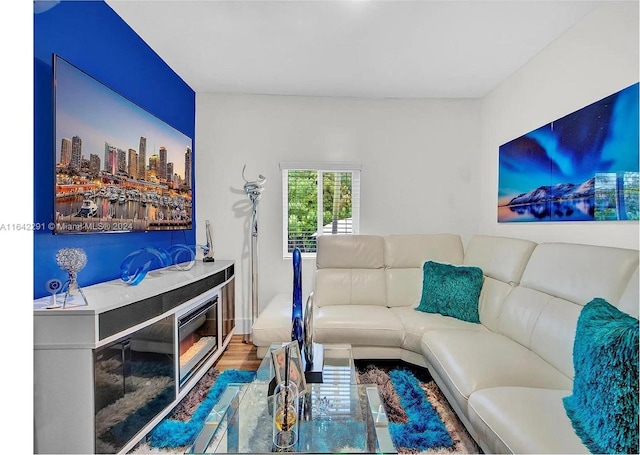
<point x="318" y="199"/>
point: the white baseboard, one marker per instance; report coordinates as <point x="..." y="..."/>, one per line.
<point x="243" y="326"/>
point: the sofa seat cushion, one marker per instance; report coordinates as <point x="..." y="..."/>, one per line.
<point x="416" y="323"/>
<point x="523" y="420"/>
<point x="470" y="360"/>
<point x="273" y="325"/>
<point x="369" y="325"/>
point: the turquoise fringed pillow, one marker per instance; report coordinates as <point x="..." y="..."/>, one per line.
<point x="603" y="407"/>
<point x="451" y="290"/>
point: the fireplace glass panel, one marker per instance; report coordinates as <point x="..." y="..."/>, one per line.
<point x="134" y="381"/>
<point x="198" y="335"/>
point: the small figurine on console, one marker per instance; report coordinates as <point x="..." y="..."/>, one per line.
<point x="208" y="249"/>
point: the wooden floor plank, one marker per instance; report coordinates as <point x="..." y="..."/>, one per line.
<point x="238" y="355"/>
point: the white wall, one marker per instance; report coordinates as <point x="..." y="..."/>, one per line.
<point x="427" y="165"/>
<point x="419" y="171"/>
<point x="595" y="58"/>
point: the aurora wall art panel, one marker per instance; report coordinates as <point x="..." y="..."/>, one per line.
<point x="581" y="167"/>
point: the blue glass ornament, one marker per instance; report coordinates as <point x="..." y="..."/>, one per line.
<point x="296" y="313"/>
<point x="135" y="266"/>
<point x="297" y="334"/>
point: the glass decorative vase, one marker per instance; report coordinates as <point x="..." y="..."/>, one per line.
<point x="72" y="260"/>
<point x="285" y="415"/>
<point x="296" y="311"/>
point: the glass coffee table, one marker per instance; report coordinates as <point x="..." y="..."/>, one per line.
<point x="337" y="415"/>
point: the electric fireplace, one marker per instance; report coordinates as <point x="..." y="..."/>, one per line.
<point x="198" y="337"/>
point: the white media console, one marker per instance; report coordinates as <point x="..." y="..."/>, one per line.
<point x="131" y="344"/>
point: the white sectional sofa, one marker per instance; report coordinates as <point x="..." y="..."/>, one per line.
<point x="506" y="376"/>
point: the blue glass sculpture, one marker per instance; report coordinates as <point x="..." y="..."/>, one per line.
<point x="296" y="313"/>
<point x="135" y="266"/>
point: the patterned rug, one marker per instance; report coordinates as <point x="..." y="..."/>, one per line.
<point x="181" y="428"/>
<point x="409" y="394"/>
<point x="421" y="420"/>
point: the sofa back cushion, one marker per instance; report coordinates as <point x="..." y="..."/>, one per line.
<point x="502" y="261"/>
<point x="376" y="270"/>
<point x="350" y="252"/>
<point x="631" y="296"/>
<point x="580" y="272"/>
<point x="404" y="256"/>
<point x="350" y="270"/>
<point x="559" y="279"/>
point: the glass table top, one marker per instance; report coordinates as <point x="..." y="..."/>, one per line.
<point x="336" y="415"/>
<point x="337" y="365"/>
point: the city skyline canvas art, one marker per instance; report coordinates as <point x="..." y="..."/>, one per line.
<point x="581" y="167"/>
<point x="117" y="167"/>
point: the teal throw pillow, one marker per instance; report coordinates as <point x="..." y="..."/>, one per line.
<point x="603" y="407"/>
<point x="451" y="290"/>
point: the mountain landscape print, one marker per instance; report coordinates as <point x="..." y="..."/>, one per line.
<point x="581" y="167"/>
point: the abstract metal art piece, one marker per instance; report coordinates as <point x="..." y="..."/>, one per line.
<point x="308" y="331"/>
<point x="208" y="248"/>
<point x="254" y="190"/>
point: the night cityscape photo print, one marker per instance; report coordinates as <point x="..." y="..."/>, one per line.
<point x="581" y="167"/>
<point x="118" y="168"/>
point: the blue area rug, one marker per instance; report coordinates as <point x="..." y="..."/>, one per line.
<point x="423" y="430"/>
<point x="415" y="426"/>
<point x="175" y="433"/>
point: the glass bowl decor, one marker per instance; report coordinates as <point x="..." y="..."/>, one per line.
<point x="72" y="260"/>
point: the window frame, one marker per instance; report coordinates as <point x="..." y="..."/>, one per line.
<point x="321" y="167"/>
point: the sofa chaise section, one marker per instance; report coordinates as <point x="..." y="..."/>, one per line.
<point x="273" y="325"/>
<point x="514" y="393"/>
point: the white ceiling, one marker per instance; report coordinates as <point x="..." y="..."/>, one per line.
<point x="365" y="48"/>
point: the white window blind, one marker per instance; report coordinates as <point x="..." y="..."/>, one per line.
<point x="318" y="199"/>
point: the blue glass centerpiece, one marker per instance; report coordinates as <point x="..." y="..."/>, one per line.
<point x="296" y="313"/>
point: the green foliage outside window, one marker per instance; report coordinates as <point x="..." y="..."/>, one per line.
<point x="303" y="207"/>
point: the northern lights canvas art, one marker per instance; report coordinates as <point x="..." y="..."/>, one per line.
<point x="581" y="167"/>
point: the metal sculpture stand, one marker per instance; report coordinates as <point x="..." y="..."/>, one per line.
<point x="253" y="189"/>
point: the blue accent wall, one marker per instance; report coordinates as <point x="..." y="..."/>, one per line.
<point x="93" y="37"/>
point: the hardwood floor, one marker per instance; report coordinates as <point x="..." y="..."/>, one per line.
<point x="239" y="356"/>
